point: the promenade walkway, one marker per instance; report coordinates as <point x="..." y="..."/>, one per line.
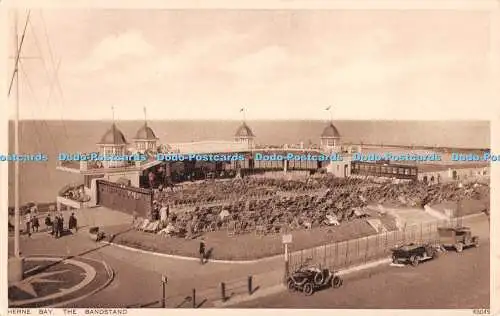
<point x="137" y="280"/>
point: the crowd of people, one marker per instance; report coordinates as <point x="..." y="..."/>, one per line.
<point x="54" y="222"/>
<point x="266" y="204"/>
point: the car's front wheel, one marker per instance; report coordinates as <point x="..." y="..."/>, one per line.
<point x="414" y="260"/>
<point x="394" y="259"/>
<point x="336" y="282"/>
<point x="308" y="289"/>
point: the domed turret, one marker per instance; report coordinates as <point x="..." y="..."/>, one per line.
<point x="145" y="139"/>
<point x="244" y="134"/>
<point x="113" y="143"/>
<point x="113" y="137"/>
<point x="330" y="131"/>
<point x="330" y="138"/>
<point x="244" y="131"/>
<point x="145" y="133"/>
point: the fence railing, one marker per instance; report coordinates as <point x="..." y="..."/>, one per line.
<point x="198" y="298"/>
<point x="344" y="254"/>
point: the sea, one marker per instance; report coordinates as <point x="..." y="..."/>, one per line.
<point x="40" y="181"/>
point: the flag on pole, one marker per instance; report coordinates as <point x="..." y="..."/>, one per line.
<point x="328" y="108"/>
<point x="242" y="109"/>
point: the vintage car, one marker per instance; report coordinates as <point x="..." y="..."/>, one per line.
<point x="414" y="253"/>
<point x="310" y="279"/>
<point x="457" y="238"/>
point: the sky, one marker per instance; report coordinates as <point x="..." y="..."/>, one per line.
<point x="277" y="64"/>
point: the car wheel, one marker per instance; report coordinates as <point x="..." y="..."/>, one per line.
<point x="308" y="289"/>
<point x="459" y="247"/>
<point x="414" y="260"/>
<point x="435" y="254"/>
<point x="336" y="282"/>
<point x="476" y="242"/>
<point x="319" y="278"/>
<point x="291" y="286"/>
<point x="394" y="260"/>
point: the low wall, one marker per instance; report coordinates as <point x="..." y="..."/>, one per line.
<point x="74" y="204"/>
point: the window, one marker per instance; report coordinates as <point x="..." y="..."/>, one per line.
<point x="394" y="170"/>
<point x="407" y="171"/>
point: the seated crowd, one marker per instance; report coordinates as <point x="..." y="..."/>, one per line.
<point x="257" y="204"/>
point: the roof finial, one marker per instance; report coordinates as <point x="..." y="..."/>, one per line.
<point x="242" y="110"/>
<point x="145" y="117"/>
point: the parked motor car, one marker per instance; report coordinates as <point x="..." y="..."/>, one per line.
<point x="414" y="253"/>
<point x="457" y="238"/>
<point x="309" y="279"/>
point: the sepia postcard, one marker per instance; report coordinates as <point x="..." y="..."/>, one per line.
<point x="331" y="156"/>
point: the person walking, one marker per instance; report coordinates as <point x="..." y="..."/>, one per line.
<point x="36" y="223"/>
<point x="48" y="224"/>
<point x="54" y="226"/>
<point x="28" y="223"/>
<point x="57" y="227"/>
<point x="61" y="224"/>
<point x="72" y="223"/>
<point x="202" y="251"/>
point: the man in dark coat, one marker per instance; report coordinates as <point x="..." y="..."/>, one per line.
<point x="36" y="223"/>
<point x="48" y="224"/>
<point x="202" y="251"/>
<point x="72" y="223"/>
<point x="60" y="225"/>
<point x="55" y="226"/>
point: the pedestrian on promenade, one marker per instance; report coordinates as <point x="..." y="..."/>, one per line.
<point x="54" y="226"/>
<point x="57" y="226"/>
<point x="28" y="223"/>
<point x="48" y="224"/>
<point x="36" y="223"/>
<point x="202" y="251"/>
<point x="72" y="223"/>
<point x="60" y="225"/>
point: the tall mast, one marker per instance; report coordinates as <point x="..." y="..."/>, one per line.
<point x="15" y="79"/>
<point x="17" y="252"/>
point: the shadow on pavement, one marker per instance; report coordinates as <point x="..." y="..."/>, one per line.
<point x="45" y="267"/>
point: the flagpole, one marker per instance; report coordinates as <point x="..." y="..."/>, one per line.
<point x="329" y="108"/>
<point x="17" y="251"/>
<point x="242" y="110"/>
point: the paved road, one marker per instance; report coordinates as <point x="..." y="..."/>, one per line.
<point x="138" y="275"/>
<point x="451" y="281"/>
